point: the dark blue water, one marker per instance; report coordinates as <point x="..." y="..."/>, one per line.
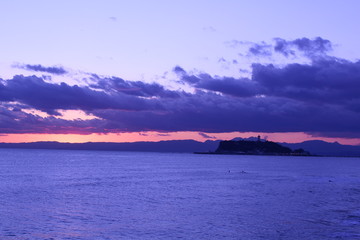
<point x="50" y="194"/>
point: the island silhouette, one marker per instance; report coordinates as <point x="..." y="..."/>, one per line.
<point x="255" y="147"/>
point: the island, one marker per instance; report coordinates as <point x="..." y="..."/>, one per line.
<point x="257" y="147"/>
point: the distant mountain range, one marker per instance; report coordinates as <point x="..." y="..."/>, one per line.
<point x="319" y="147"/>
<point x="315" y="147"/>
<point x="162" y="146"/>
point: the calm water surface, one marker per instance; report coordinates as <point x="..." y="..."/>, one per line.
<point x="51" y="194"/>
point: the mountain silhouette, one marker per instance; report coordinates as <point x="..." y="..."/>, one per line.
<point x="316" y="147"/>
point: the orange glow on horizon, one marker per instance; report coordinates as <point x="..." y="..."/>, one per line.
<point x="160" y="136"/>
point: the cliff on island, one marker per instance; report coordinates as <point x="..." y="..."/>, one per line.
<point x="257" y="147"/>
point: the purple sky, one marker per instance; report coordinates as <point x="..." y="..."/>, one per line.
<point x="180" y="66"/>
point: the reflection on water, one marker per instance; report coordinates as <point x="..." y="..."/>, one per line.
<point x="50" y="194"/>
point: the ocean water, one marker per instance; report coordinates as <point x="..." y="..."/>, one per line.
<point x="58" y="194"/>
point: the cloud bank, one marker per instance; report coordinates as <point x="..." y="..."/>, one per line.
<point x="320" y="98"/>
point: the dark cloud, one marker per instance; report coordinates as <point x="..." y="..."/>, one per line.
<point x="331" y="81"/>
<point x="242" y="87"/>
<point x="49" y="97"/>
<point x="179" y="70"/>
<point x="40" y="68"/>
<point x="204" y="135"/>
<point x="311" y="48"/>
<point x="262" y="49"/>
<point x="326" y="81"/>
<point x="322" y="95"/>
<point x="214" y="113"/>
<point x="136" y="88"/>
<point x="320" y="98"/>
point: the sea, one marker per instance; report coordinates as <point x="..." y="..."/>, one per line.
<point x="68" y="194"/>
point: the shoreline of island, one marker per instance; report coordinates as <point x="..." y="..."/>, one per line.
<point x="259" y="146"/>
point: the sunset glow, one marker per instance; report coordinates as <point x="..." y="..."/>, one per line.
<point x="158" y="136"/>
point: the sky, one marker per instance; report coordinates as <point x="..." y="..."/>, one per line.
<point x="125" y="71"/>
